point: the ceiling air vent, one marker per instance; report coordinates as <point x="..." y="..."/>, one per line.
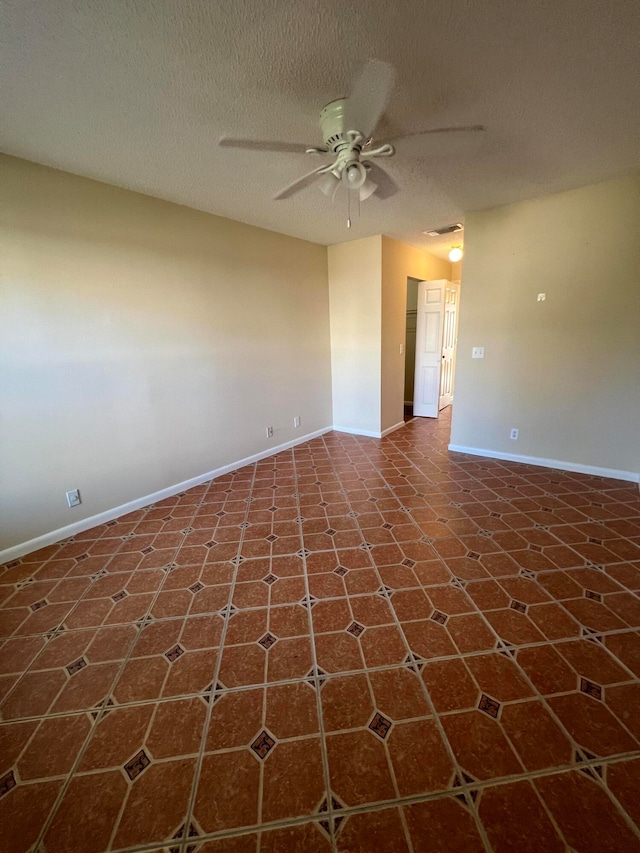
<point x="448" y="229"/>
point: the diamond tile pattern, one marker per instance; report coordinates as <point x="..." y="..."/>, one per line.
<point x="386" y="623"/>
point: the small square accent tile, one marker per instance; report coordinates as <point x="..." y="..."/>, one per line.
<point x="196" y="587"/>
<point x="273" y="509"/>
<point x="38" y="605"/>
<point x="387" y="526"/>
<point x="7" y="782"/>
<point x="518" y="605"/>
<point x="439" y="617"/>
<point x="473" y="555"/>
<point x="81" y="557"/>
<point x="409" y="563"/>
<point x="489" y="706"/>
<point x="267" y="641"/>
<point x="210" y="543"/>
<point x="137" y="765"/>
<point x="269" y="579"/>
<point x="119" y="595"/>
<point x="442" y="520"/>
<point x="331" y="532"/>
<point x="263" y="744"/>
<point x="174" y="653"/>
<point x="340" y="571"/>
<point x="355" y="629"/>
<point x="221" y="513"/>
<point x="380" y="725"/>
<point x="271" y="537"/>
<point x="591" y="688"/>
<point x="594" y="596"/>
<point x="147" y="550"/>
<point x="76" y="666"/>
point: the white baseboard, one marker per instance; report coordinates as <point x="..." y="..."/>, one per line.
<point x="369" y="433"/>
<point x="16" y="551"/>
<point x="391" y="429"/>
<point x="365" y="432"/>
<point x="577" y="467"/>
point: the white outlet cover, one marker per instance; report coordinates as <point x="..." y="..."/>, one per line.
<point x="542" y="297"/>
<point x="477" y="352"/>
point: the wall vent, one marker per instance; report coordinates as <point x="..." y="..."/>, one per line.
<point x="447" y="229"/>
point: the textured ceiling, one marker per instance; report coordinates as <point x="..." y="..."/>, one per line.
<point x="137" y="94"/>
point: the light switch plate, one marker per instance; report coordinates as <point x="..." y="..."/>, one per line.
<point x="477" y="352"/>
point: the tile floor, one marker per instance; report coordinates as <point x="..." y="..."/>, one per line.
<point x="357" y="645"/>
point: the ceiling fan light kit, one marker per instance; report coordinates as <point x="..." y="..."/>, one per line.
<point x="347" y="126"/>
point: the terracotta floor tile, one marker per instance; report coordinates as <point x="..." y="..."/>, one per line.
<point x="442" y="826"/>
<point x="286" y="791"/>
<point x="33" y="804"/>
<point x="383" y="646"/>
<point x="291" y="710"/>
<point x="98" y="797"/>
<point x="242" y="666"/>
<point x="332" y="615"/>
<point x="626" y="648"/>
<point x="291" y="620"/>
<point x="623" y="780"/>
<point x="419" y="757"/>
<point x="371" y="610"/>
<point x="411" y="604"/>
<point x="141" y="822"/>
<point x="514" y="818"/>
<point x="450" y="685"/>
<point x="488" y="595"/>
<point x="479" y="745"/>
<point x="584" y="814"/>
<point x="236" y="718"/>
<point x="591" y="724"/>
<point x="398" y="694"/>
<point x="547" y="669"/>
<point x="593" y="614"/>
<point x="377" y="830"/>
<point x="499" y="677"/>
<point x="54" y="747"/>
<point x="429" y="639"/>
<point x="592" y="661"/>
<point x="301" y="838"/>
<point x="535" y="735"/>
<point x="346" y="702"/>
<point x="228" y="791"/>
<point x="358" y="768"/>
<point x="624" y="701"/>
<point x="470" y="633"/>
<point x="514" y="627"/>
<point x="289" y="658"/>
<point x="338" y="652"/>
<point x="554" y="622"/>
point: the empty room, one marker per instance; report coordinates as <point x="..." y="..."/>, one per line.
<point x="319" y="426"/>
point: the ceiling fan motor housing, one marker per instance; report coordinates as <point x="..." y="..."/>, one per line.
<point x="332" y="125"/>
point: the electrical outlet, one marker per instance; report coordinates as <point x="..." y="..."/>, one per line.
<point x="477" y="352"/>
<point x="401" y="349"/>
<point x="542" y="297"/>
<point x="73" y="498"/>
<point x="269" y="432"/>
<point x="514" y="434"/>
<point x="296" y="421"/>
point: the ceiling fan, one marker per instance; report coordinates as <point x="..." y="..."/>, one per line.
<point x="348" y="126"/>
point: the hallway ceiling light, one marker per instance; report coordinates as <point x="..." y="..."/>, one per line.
<point x="455" y="254"/>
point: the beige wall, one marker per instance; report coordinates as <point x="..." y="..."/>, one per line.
<point x="143" y="344"/>
<point x="399" y="262"/>
<point x="566" y="371"/>
<point x="354" y="296"/>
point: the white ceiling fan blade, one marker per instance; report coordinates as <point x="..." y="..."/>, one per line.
<point x="263" y="145"/>
<point x="469" y="128"/>
<point x="298" y="184"/>
<point x="385" y="185"/>
<point x="368" y="97"/>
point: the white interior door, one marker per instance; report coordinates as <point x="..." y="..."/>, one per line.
<point x="429" y="329"/>
<point x="449" y="336"/>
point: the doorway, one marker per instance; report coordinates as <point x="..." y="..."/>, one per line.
<point x="430" y="346"/>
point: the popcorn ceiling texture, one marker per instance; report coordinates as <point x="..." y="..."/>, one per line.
<point x="137" y="93"/>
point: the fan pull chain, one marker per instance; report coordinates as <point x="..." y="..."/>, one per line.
<point x="348" y="208"/>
